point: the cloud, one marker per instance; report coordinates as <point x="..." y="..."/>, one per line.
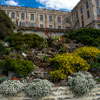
<point x="58" y="4"/>
<point x="11" y="2"/>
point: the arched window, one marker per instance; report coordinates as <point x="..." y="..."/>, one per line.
<point x="12" y="15"/>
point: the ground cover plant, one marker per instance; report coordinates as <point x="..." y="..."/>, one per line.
<point x="39" y="88"/>
<point x="81" y="83"/>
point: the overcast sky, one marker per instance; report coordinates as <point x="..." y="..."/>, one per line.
<point x="66" y="5"/>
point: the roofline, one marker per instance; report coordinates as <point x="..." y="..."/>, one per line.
<point x="37" y="8"/>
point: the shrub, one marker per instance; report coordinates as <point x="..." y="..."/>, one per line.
<point x="95" y="67"/>
<point x="17" y="65"/>
<point x="11" y="87"/>
<point x="88" y="53"/>
<point x="31" y="40"/>
<point x="81" y="83"/>
<point x="6" y="25"/>
<point x="3" y="50"/>
<point x="86" y="36"/>
<point x="67" y="64"/>
<point x="38" y="88"/>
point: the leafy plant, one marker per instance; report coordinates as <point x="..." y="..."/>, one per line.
<point x="44" y="58"/>
<point x="38" y="88"/>
<point x="11" y="87"/>
<point x="81" y="83"/>
<point x="16" y="64"/>
<point x="66" y="64"/>
<point x="43" y="45"/>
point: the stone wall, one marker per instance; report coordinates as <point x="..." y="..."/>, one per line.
<point x="59" y="93"/>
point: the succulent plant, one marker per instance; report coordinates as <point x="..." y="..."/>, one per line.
<point x="11" y="87"/>
<point x="38" y="88"/>
<point x="81" y="83"/>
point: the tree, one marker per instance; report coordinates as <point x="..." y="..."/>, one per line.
<point x="6" y="25"/>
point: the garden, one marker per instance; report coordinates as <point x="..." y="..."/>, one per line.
<point x="35" y="65"/>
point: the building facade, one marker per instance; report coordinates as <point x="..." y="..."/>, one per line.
<point x="36" y="17"/>
<point x="85" y="14"/>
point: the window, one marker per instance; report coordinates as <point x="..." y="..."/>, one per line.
<point x="81" y="9"/>
<point x="97" y="3"/>
<point x="59" y="27"/>
<point x="82" y="23"/>
<point x="50" y="26"/>
<point x="88" y="14"/>
<point x="41" y="25"/>
<point x="87" y="5"/>
<point x="12" y="15"/>
<point x="31" y="16"/>
<point x="22" y="23"/>
<point x="22" y="16"/>
<point x="50" y="18"/>
<point x="32" y="25"/>
<point x="99" y="26"/>
<point x="41" y="17"/>
<point x="59" y="19"/>
<point x="82" y="17"/>
<point x="98" y="11"/>
<point x="68" y="28"/>
<point x="67" y="20"/>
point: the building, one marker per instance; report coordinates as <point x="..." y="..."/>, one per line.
<point x="85" y="14"/>
<point x="36" y="17"/>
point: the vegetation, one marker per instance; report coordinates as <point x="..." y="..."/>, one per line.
<point x="81" y="83"/>
<point x="6" y="25"/>
<point x="17" y="65"/>
<point x="88" y="53"/>
<point x="86" y="36"/>
<point x="65" y="64"/>
<point x="17" y="40"/>
<point x="11" y="87"/>
<point x="38" y="88"/>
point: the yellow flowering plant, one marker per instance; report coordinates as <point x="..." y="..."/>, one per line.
<point x="67" y="63"/>
<point x="89" y="54"/>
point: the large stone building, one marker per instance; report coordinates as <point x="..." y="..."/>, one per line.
<point x="36" y="17"/>
<point x="85" y="14"/>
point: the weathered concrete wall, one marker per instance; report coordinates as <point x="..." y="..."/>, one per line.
<point x="41" y="33"/>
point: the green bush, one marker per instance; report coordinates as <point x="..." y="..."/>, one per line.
<point x="3" y="50"/>
<point x="31" y="40"/>
<point x="81" y="83"/>
<point x="17" y="65"/>
<point x="6" y="25"/>
<point x="90" y="54"/>
<point x="65" y="64"/>
<point x="86" y="36"/>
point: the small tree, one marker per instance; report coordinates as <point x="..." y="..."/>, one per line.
<point x="6" y="25"/>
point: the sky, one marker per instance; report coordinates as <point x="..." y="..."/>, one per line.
<point x="64" y="5"/>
